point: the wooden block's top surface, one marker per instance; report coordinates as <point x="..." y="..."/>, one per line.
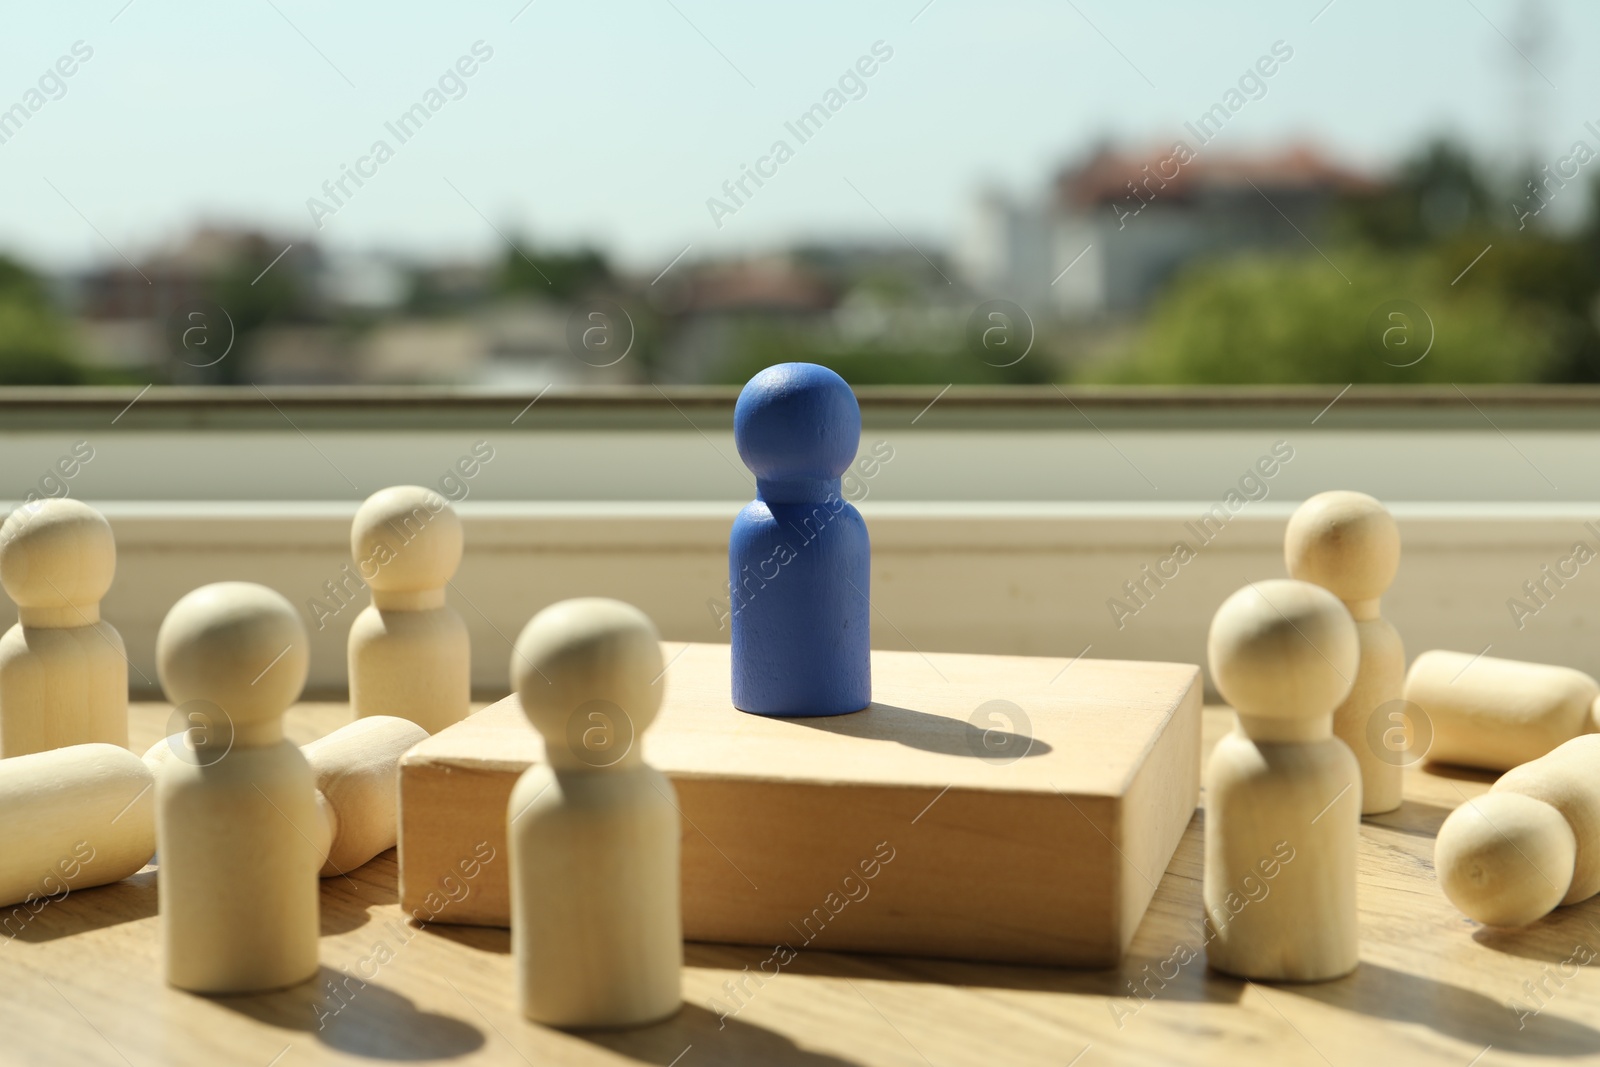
<point x="1088" y="725"/>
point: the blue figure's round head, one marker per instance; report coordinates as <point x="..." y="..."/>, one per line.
<point x="797" y="422"/>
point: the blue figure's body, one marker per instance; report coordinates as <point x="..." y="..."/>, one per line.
<point x="798" y="557"/>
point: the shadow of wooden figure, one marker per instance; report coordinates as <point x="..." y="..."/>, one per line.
<point x="714" y="1039"/>
<point x="1385" y="993"/>
<point x="360" y="1017"/>
<point x="935" y="733"/>
<point x="82" y="910"/>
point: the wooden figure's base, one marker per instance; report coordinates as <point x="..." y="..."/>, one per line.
<point x="935" y="823"/>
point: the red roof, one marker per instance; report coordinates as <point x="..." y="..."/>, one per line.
<point x="1105" y="177"/>
<point x="766" y="285"/>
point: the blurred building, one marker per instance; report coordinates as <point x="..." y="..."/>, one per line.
<point x="1111" y="231"/>
<point x="713" y="304"/>
<point x="170" y="313"/>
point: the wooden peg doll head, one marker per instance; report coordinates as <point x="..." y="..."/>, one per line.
<point x="238" y="646"/>
<point x="588" y="674"/>
<point x="1346" y="542"/>
<point x="406" y="540"/>
<point x="1505" y="859"/>
<point x="797" y="427"/>
<point x="57" y="559"/>
<point x="1284" y="654"/>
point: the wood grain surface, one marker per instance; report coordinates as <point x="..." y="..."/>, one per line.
<point x="82" y="985"/>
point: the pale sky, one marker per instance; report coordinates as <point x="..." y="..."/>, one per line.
<point x="615" y="122"/>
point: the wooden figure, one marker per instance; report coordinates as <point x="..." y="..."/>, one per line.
<point x="409" y="653"/>
<point x="63" y="671"/>
<point x="799" y="562"/>
<point x="1530" y="844"/>
<point x="238" y="829"/>
<point x="1498" y="713"/>
<point x="74" y="817"/>
<point x="357" y="770"/>
<point x="1283" y="794"/>
<point x="596" y="929"/>
<point x="1348" y="543"/>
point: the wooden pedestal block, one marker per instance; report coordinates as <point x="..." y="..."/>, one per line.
<point x="935" y="823"/>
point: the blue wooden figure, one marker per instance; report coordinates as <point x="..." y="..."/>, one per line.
<point x="798" y="555"/>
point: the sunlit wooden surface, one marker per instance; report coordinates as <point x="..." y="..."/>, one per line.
<point x="82" y="985"/>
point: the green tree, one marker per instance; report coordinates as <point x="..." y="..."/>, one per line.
<point x="1439" y="192"/>
<point x="559" y="276"/>
<point x="763" y="344"/>
<point x="1443" y="206"/>
<point x="254" y="301"/>
<point x="1389" y="318"/>
<point x="35" y="343"/>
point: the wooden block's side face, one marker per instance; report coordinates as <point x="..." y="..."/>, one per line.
<point x="1159" y="805"/>
<point x="454" y="865"/>
<point x="835" y="868"/>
